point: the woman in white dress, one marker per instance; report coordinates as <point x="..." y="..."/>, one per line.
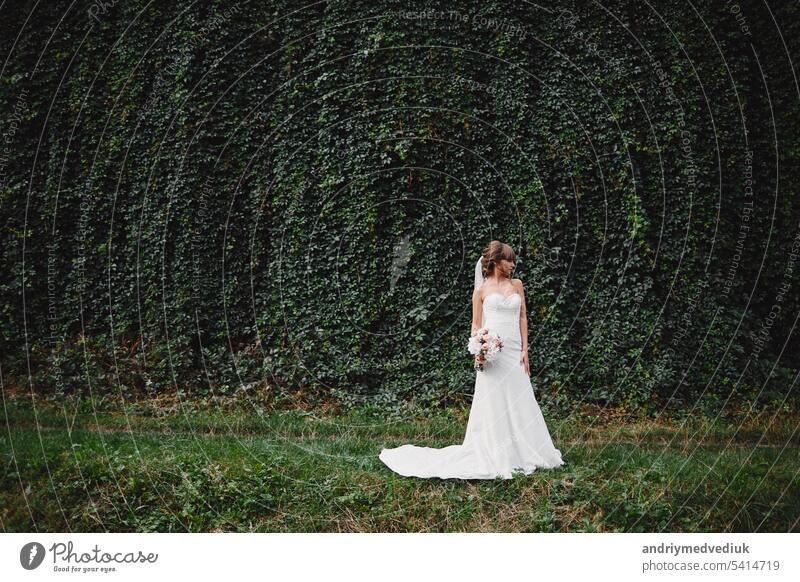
<point x="506" y="432"/>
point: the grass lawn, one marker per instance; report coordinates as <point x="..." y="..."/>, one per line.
<point x="87" y="466"/>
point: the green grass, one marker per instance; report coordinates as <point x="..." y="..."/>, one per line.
<point x="85" y="465"/>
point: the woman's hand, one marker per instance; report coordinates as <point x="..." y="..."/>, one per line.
<point x="524" y="361"/>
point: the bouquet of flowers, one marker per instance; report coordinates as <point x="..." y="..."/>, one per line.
<point x="486" y="345"/>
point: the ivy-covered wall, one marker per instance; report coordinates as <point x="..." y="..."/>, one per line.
<point x="214" y="196"/>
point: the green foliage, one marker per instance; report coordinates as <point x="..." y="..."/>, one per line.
<point x="213" y="197"/>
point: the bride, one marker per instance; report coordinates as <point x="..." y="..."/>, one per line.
<point x="506" y="432"/>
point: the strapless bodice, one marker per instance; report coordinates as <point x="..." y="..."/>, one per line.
<point x="501" y="315"/>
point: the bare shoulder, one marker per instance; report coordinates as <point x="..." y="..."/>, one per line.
<point x="517" y="283"/>
<point x="478" y="291"/>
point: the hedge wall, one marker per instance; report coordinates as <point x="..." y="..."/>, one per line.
<point x="219" y="197"/>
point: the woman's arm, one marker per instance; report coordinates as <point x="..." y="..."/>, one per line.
<point x="477" y="310"/>
<point x="523" y="315"/>
<point x="523" y="327"/>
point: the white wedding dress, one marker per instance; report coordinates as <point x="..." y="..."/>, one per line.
<point x="506" y="432"/>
